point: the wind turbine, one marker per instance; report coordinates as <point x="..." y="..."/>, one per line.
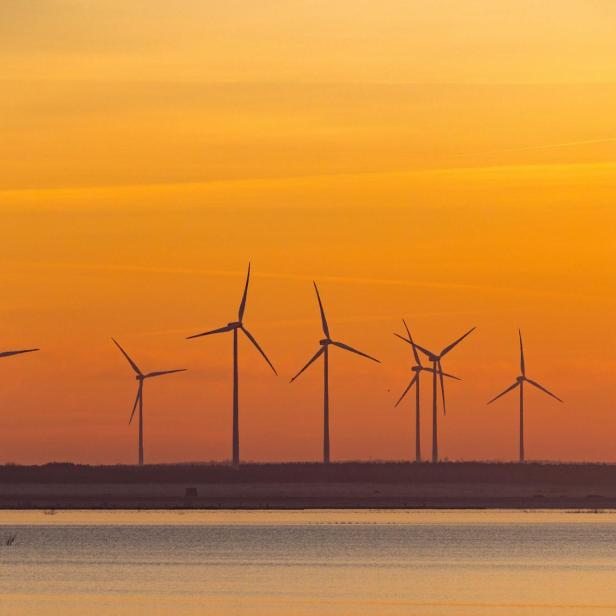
<point x="234" y="327"/>
<point x="417" y="369"/>
<point x="520" y="380"/>
<point x="325" y="343"/>
<point x="437" y="371"/>
<point x="139" y="399"/>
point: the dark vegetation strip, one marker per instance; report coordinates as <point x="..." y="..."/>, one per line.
<point x="344" y="472"/>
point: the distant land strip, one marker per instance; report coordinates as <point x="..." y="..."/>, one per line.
<point x="345" y="485"/>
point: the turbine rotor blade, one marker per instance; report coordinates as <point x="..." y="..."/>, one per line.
<point x="522" y="363"/>
<point x="425" y="351"/>
<point x="9" y="353"/>
<point x="456" y="342"/>
<point x="252" y="339"/>
<point x="510" y="388"/>
<point x="346" y="347"/>
<point x="403" y="338"/>
<point x="323" y="319"/>
<point x="442" y="380"/>
<point x="136" y="402"/>
<point x="406" y="391"/>
<point x="543" y="389"/>
<point x="445" y="374"/>
<point x="415" y="353"/>
<point x="240" y="314"/>
<point x="310" y="361"/>
<point x="161" y="372"/>
<point x="130" y="361"/>
<point x="219" y="330"/>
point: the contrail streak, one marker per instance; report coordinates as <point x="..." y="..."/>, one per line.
<point x="544" y="146"/>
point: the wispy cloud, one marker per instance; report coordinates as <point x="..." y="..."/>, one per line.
<point x="215" y="273"/>
<point x="539" y="146"/>
<point x="353" y="280"/>
<point x="276" y="323"/>
<point x="100" y="195"/>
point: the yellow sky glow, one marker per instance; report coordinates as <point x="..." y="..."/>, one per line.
<point x="451" y="162"/>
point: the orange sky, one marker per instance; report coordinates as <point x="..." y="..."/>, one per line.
<point x="451" y="162"/>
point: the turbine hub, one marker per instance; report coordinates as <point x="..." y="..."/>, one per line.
<point x="416" y="369"/>
<point x="324" y="342"/>
<point x="234" y="325"/>
<point x="139" y="377"/>
<point x="520" y="379"/>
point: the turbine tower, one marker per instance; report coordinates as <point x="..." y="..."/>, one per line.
<point x="437" y="371"/>
<point x="520" y="380"/>
<point x="325" y="343"/>
<point x="234" y="327"/>
<point x="139" y="399"/>
<point x="417" y="369"/>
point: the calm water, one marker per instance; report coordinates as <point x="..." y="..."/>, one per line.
<point x="329" y="562"/>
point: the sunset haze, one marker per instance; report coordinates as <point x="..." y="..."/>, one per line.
<point x="452" y="163"/>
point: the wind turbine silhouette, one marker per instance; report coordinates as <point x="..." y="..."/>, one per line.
<point x="520" y="380"/>
<point x="234" y="327"/>
<point x="437" y="371"/>
<point x="139" y="399"/>
<point x="325" y="343"/>
<point x="417" y="369"/>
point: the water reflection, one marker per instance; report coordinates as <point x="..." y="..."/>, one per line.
<point x="308" y="562"/>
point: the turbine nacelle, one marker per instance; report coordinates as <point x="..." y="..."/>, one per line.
<point x="520" y="380"/>
<point x="233" y="326"/>
<point x="437" y="369"/>
<point x="324" y="343"/>
<point x="140" y="378"/>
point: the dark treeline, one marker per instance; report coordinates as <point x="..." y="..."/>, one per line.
<point x="302" y="473"/>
